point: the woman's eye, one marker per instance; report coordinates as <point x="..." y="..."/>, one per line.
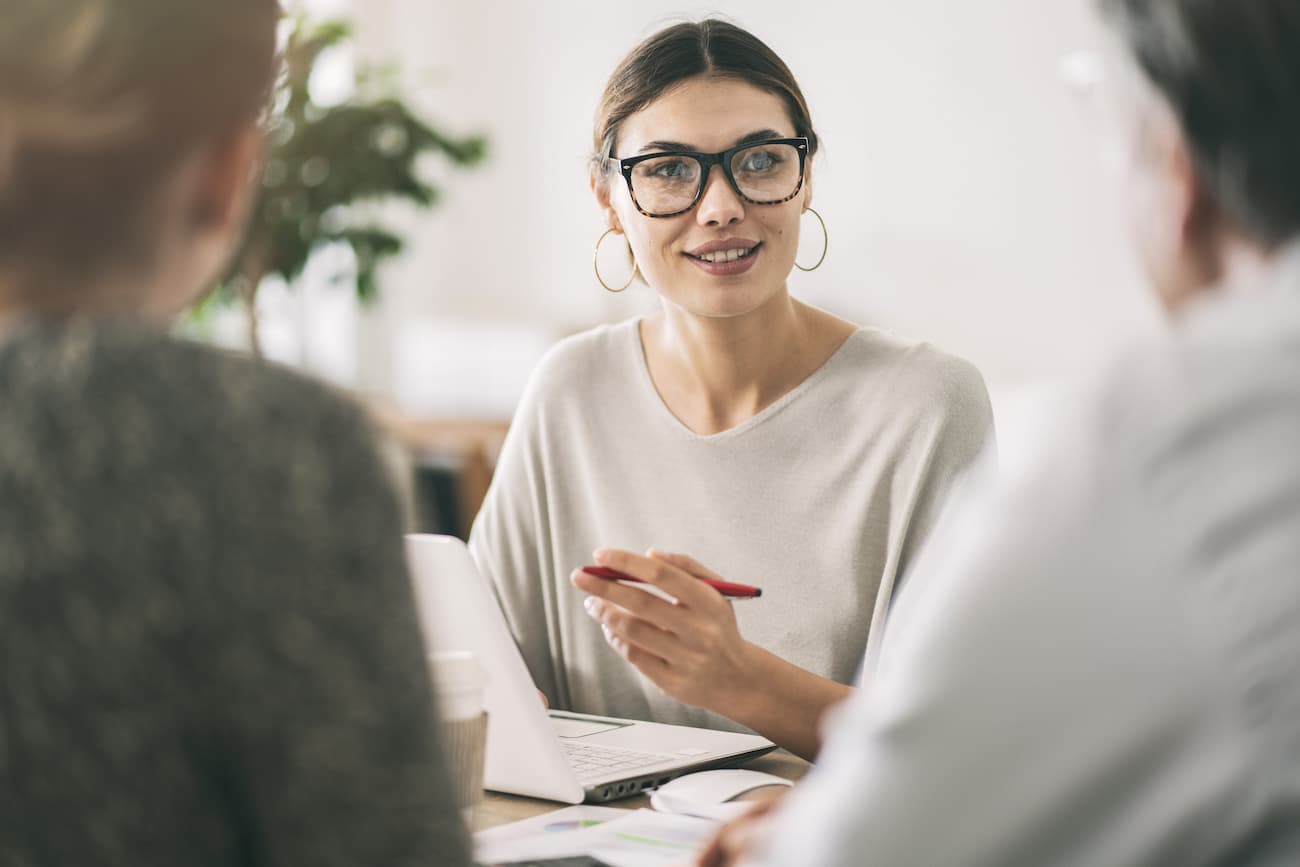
<point x="670" y="169"/>
<point x="760" y="161"/>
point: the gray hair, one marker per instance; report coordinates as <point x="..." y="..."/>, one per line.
<point x="1230" y="71"/>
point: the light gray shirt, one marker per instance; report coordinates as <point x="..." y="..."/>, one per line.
<point x="820" y="499"/>
<point x="1098" y="662"/>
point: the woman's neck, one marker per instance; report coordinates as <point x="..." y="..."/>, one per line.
<point x="715" y="373"/>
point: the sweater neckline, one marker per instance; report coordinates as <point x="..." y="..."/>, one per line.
<point x="647" y="385"/>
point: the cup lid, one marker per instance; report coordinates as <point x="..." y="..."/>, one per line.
<point x="457" y="670"/>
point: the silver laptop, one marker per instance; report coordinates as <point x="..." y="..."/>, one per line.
<point x="558" y="756"/>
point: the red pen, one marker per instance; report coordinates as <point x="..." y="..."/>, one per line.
<point x="726" y="588"/>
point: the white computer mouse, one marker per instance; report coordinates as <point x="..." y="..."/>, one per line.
<point x="707" y="793"/>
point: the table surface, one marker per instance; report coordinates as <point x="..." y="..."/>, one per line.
<point x="498" y="809"/>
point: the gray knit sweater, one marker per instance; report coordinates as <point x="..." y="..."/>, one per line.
<point x="208" y="648"/>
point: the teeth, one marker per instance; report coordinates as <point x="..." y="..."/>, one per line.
<point x="724" y="255"/>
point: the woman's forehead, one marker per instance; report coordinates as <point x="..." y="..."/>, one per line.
<point x="704" y="114"/>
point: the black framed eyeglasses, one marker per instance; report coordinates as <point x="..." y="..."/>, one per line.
<point x="767" y="172"/>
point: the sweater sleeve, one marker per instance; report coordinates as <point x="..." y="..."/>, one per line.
<point x="318" y="700"/>
<point x="954" y="433"/>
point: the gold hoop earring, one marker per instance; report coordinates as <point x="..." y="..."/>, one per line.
<point x="826" y="243"/>
<point x="595" y="264"/>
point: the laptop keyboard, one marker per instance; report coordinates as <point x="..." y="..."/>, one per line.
<point x="592" y="762"/>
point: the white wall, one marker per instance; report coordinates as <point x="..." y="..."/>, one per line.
<point x="962" y="186"/>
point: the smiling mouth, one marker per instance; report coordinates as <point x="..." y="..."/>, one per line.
<point x="720" y="256"/>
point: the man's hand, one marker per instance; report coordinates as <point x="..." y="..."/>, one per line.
<point x="734" y="840"/>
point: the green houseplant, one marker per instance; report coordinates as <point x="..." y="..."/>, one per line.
<point x="323" y="160"/>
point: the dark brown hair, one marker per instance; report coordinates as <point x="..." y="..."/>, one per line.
<point x="98" y="99"/>
<point x="1230" y="70"/>
<point x="689" y="50"/>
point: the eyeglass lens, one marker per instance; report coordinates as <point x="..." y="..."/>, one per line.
<point x="763" y="173"/>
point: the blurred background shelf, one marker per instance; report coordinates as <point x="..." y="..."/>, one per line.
<point x="447" y="464"/>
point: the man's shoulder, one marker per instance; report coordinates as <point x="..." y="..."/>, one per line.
<point x="1175" y="434"/>
<point x="1214" y="383"/>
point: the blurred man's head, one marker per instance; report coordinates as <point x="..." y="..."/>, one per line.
<point x="1217" y="135"/>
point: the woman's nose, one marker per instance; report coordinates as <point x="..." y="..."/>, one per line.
<point x="719" y="205"/>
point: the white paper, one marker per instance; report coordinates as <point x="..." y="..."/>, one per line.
<point x="549" y="831"/>
<point x="621" y="838"/>
<point x="650" y="839"/>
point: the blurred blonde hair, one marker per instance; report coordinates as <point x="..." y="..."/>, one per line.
<point x="61" y="68"/>
<point x="98" y="99"/>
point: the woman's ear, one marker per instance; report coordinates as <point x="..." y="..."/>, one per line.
<point x="807" y="185"/>
<point x="600" y="188"/>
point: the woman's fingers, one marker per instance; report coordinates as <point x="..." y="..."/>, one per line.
<point x="655" y="668"/>
<point x="633" y="629"/>
<point x="701" y="630"/>
<point x="674" y="581"/>
<point x="687" y="564"/>
<point x="647" y="606"/>
<point x="691" y="648"/>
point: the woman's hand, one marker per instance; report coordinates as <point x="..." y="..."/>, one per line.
<point x="735" y="840"/>
<point x="690" y="649"/>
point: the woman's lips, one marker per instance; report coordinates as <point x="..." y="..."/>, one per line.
<point x="725" y="265"/>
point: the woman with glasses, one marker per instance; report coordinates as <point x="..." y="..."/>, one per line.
<point x="208" y="648"/>
<point x="783" y="446"/>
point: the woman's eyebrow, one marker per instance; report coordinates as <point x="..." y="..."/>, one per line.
<point x="759" y="135"/>
<point x="756" y="135"/>
<point x="656" y="146"/>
